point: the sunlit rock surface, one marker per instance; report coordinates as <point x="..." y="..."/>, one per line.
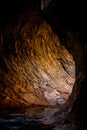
<point x="34" y="67"/>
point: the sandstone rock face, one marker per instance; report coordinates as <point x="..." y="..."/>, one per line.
<point x="34" y="67"/>
<point x="72" y="23"/>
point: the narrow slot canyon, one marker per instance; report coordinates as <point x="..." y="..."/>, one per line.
<point x="43" y="59"/>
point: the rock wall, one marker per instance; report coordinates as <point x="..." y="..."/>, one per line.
<point x="35" y="69"/>
<point x="70" y="24"/>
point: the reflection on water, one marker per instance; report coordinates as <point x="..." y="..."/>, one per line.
<point x="26" y="119"/>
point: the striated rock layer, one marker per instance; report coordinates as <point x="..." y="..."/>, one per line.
<point x="34" y="67"/>
<point x="68" y="18"/>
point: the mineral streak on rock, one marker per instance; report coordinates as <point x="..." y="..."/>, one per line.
<point x="34" y="67"/>
<point x="45" y="3"/>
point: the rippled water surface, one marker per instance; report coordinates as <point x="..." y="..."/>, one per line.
<point x="26" y="119"/>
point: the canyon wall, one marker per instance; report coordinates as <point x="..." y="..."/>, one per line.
<point x="35" y="66"/>
<point x="35" y="69"/>
<point x="68" y="21"/>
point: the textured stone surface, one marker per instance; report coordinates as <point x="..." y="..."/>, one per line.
<point x="34" y="67"/>
<point x="45" y="3"/>
<point x="68" y="19"/>
<point x="72" y="23"/>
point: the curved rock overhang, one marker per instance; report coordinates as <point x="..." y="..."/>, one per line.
<point x="34" y="67"/>
<point x="72" y="27"/>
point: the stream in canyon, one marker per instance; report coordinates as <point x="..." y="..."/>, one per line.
<point x="28" y="118"/>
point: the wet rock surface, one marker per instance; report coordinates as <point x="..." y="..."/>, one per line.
<point x="27" y="118"/>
